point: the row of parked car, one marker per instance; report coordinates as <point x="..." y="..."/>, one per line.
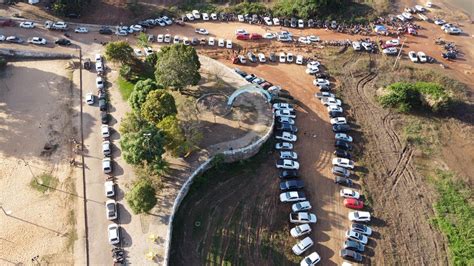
<point x="111" y="208"/>
<point x="356" y="236"/>
<point x="261" y="58"/>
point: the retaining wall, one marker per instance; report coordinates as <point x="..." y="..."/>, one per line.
<point x="34" y="54"/>
<point x="229" y="156"/>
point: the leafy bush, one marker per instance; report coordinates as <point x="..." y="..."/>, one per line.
<point x="305" y="8"/>
<point x="142" y="197"/>
<point x="3" y="62"/>
<point x="411" y="96"/>
<point x="158" y="105"/>
<point x="139" y="93"/>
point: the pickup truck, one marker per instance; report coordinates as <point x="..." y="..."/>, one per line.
<point x="302" y="218"/>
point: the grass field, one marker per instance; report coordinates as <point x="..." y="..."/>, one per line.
<point x="125" y="88"/>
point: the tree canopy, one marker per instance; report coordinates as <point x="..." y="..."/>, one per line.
<point x="177" y="66"/>
<point x="145" y="145"/>
<point x="158" y="105"/>
<point x="140" y="91"/>
<point x="119" y="51"/>
<point x="173" y="134"/>
<point x="142" y="197"/>
<point x="305" y="8"/>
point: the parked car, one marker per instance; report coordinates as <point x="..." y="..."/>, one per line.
<point x="362" y="229"/>
<point x="109" y="188"/>
<point x="341" y="171"/>
<point x="321" y="95"/>
<point x="99" y="83"/>
<point x="37" y="41"/>
<point x="343" y="181"/>
<point x="301" y="206"/>
<point x="287" y="164"/>
<point x="331" y="101"/>
<point x="343" y="162"/>
<point x="285" y="113"/>
<point x="412" y="56"/>
<point x="285" y="119"/>
<point x="353" y="245"/>
<point x="349" y="193"/>
<point x="262" y="58"/>
<point x="292" y="196"/>
<point x="104" y="118"/>
<point x="288" y="174"/>
<point x="300" y="230"/>
<point x="201" y="31"/>
<point x="422" y="57"/>
<point x="107" y="165"/>
<point x="359" y="216"/>
<point x="106" y="150"/>
<point x="113" y="231"/>
<point x="334" y="108"/>
<point x="354" y="204"/>
<point x="338" y="121"/>
<point x="357" y="237"/>
<point x="390" y="51"/>
<point x="105" y="31"/>
<point x="14" y="39"/>
<point x="283" y="146"/>
<point x="342" y="153"/>
<point x="303" y="218"/>
<point x="105" y="131"/>
<point x="286" y="136"/>
<point x="341" y="128"/>
<point x="27" y="25"/>
<point x="356" y="46"/>
<point x="288" y="155"/>
<point x="81" y="30"/>
<point x="342" y="145"/>
<point x="302" y="246"/>
<point x="111" y="210"/>
<point x="312" y="259"/>
<point x="286" y="127"/>
<point x="350" y="255"/>
<point x="343" y="137"/>
<point x="102" y="105"/>
<point x="291" y="184"/>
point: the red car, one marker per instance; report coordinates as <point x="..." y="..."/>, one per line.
<point x="255" y="36"/>
<point x="353" y="203"/>
<point x="387" y="45"/>
<point x="242" y="36"/>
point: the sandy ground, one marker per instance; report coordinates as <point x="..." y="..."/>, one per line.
<point x="36" y="108"/>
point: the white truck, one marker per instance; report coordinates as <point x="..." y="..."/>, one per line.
<point x="302" y="217"/>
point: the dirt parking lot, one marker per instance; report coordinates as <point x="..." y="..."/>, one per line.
<point x="38" y="121"/>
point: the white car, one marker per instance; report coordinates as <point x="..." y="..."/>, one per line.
<point x="269" y="36"/>
<point x="304" y="40"/>
<point x="283" y="106"/>
<point x="338" y="121"/>
<point x="292" y="196"/>
<point x="167" y="38"/>
<point x="241" y="18"/>
<point x="286" y="136"/>
<point x="27" y="25"/>
<point x="331" y="101"/>
<point x="99" y="83"/>
<point x="99" y="66"/>
<point x="349" y="193"/>
<point x="301" y="206"/>
<point x="177" y="39"/>
<point x="105" y="131"/>
<point x="276" y="21"/>
<point x="107" y="165"/>
<point x="407" y="15"/>
<point x="287" y="164"/>
<point x="286" y="113"/>
<point x="289" y="57"/>
<point x="148" y="51"/>
<point x="313" y="63"/>
<point x="321" y="82"/>
<point x="106" y="148"/>
<point x="205" y="16"/>
<point x="299" y="59"/>
<point x="412" y="56"/>
<point x="268" y="21"/>
<point x="439" y="21"/>
<point x="240" y="31"/>
<point x="357" y="237"/>
<point x="288" y="155"/>
<point x="138" y="52"/>
<point x="109" y="188"/>
<point x="228" y="44"/>
<point x="160" y="38"/>
<point x="114" y="234"/>
<point x="283" y="146"/>
<point x="111" y="210"/>
<point x="2" y="38"/>
<point x="136" y="28"/>
<point x="213" y="16"/>
<point x="98" y="58"/>
<point x="311" y="260"/>
<point x="356" y="46"/>
<point x="262" y="58"/>
<point x="312" y="70"/>
<point x="196" y="14"/>
<point x="422" y="57"/>
<point x="189" y="16"/>
<point x="81" y="30"/>
<point x="38" y="41"/>
<point x="90" y="98"/>
<point x="302" y="246"/>
<point x="362" y="229"/>
<point x="390" y="51"/>
<point x="285" y="119"/>
<point x="343" y="162"/>
<point x="446" y="26"/>
<point x="334" y="108"/>
<point x="300" y="230"/>
<point x="314" y="38"/>
<point x="167" y="20"/>
<point x="324" y="94"/>
<point x="202" y="31"/>
<point x="401" y="18"/>
<point x="420" y="8"/>
<point x="300" y="23"/>
<point x="343" y="137"/>
<point x="453" y="30"/>
<point x="211" y="41"/>
<point x="358" y="216"/>
<point x="394" y="42"/>
<point x="282" y="57"/>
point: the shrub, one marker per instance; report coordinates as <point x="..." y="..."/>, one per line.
<point x="142" y="197"/>
<point x="3" y="62"/>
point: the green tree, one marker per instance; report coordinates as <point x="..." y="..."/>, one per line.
<point x="120" y="52"/>
<point x="177" y="66"/>
<point x="158" y="105"/>
<point x="140" y="92"/>
<point x="132" y="123"/>
<point x="143" y="40"/>
<point x="142" y="197"/>
<point x="174" y="136"/>
<point x="306" y="8"/>
<point x="145" y="145"/>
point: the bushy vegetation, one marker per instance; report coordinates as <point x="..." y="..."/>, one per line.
<point x="306" y="8"/>
<point x="44" y="182"/>
<point x="455" y="217"/>
<point x="3" y="63"/>
<point x="64" y="7"/>
<point x="407" y="96"/>
<point x="141" y="197"/>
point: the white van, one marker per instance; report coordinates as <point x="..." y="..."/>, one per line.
<point x="228" y="44"/>
<point x="211" y="41"/>
<point x="282" y="57"/>
<point x="299" y="59"/>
